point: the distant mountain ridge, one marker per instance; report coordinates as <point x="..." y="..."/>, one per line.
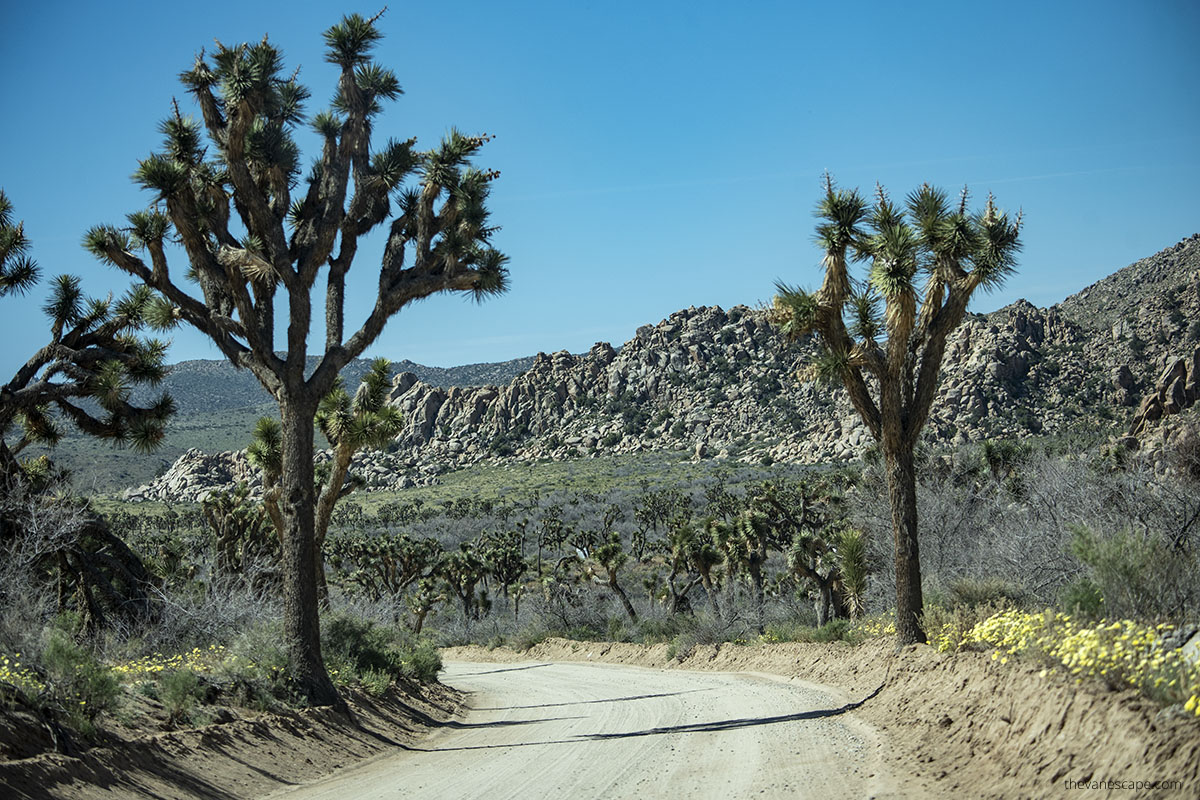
<point x="205" y="385"/>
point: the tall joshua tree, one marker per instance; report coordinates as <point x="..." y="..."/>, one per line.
<point x="926" y="259"/>
<point x="233" y="175"/>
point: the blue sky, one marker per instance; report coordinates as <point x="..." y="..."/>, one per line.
<point x="653" y="155"/>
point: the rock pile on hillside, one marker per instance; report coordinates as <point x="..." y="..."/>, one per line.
<point x="725" y="384"/>
<point x="1168" y="436"/>
<point x="196" y="474"/>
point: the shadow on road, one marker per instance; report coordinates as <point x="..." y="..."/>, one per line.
<point x="494" y="671"/>
<point x="589" y="702"/>
<point x="697" y="727"/>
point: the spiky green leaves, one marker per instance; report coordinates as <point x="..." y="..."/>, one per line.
<point x="999" y="242"/>
<point x="161" y="174"/>
<point x="328" y="124"/>
<point x="956" y="249"/>
<point x="350" y="42"/>
<point x="65" y="305"/>
<point x="18" y="272"/>
<point x="38" y="425"/>
<point x="795" y="310"/>
<point x="247" y="72"/>
<point x="148" y="227"/>
<point x="864" y="321"/>
<point x="288" y="102"/>
<point x="843" y="211"/>
<point x="266" y="447"/>
<point x="372" y="393"/>
<point x="103" y="241"/>
<point x="894" y="265"/>
<point x="394" y="162"/>
<point x="161" y="315"/>
<point x="364" y="420"/>
<point x="372" y="83"/>
<point x="493" y="274"/>
<point x="831" y="366"/>
<point x="109" y="386"/>
<point x="182" y="139"/>
<point x="96" y="356"/>
<point x="269" y="145"/>
<point x="443" y="164"/>
<point x="130" y="308"/>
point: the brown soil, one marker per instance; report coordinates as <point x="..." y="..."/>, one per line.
<point x="246" y="757"/>
<point x="964" y="723"/>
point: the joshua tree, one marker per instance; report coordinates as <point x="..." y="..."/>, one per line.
<point x="86" y="373"/>
<point x="385" y="565"/>
<point x="242" y="178"/>
<point x="423" y="600"/>
<point x="611" y="556"/>
<point x="850" y="549"/>
<point x="926" y="262"/>
<point x="463" y="570"/>
<point x="244" y="542"/>
<point x="690" y="553"/>
<point x="506" y="563"/>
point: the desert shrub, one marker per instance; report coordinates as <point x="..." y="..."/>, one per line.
<point x="179" y="691"/>
<point x="195" y="614"/>
<point x="78" y="683"/>
<point x="362" y="647"/>
<point x="785" y="631"/>
<point x="661" y="628"/>
<point x="358" y="644"/>
<point x="974" y="529"/>
<point x="1083" y="598"/>
<point x="876" y="626"/>
<point x="617" y="630"/>
<point x="374" y="682"/>
<point x="950" y="626"/>
<point x="422" y="662"/>
<point x="531" y="635"/>
<point x="1138" y="575"/>
<point x="681" y="647"/>
<point x="990" y="591"/>
<point x="256" y="668"/>
<point x="837" y="630"/>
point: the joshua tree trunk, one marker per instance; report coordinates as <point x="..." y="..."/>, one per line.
<point x="619" y="592"/>
<point x="831" y="603"/>
<point x="301" y="621"/>
<point x="902" y="494"/>
<point x="332" y="491"/>
<point x="711" y="591"/>
<point x="756" y="579"/>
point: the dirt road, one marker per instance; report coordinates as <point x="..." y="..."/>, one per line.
<point x="535" y="730"/>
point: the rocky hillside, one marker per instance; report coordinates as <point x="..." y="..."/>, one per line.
<point x="724" y="384"/>
<point x="1141" y="315"/>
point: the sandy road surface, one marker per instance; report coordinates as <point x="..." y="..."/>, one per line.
<point x="571" y="730"/>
